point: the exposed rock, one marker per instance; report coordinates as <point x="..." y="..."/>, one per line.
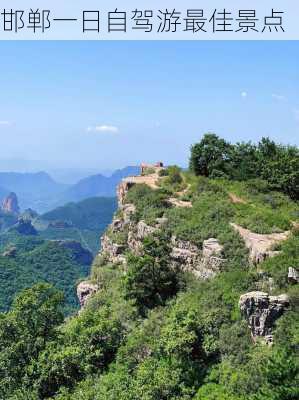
<point x="117" y="225"/>
<point x="29" y="214"/>
<point x="24" y="227"/>
<point x="10" y="204"/>
<point x="137" y="233"/>
<point x="126" y="184"/>
<point x="81" y="255"/>
<point x="236" y="199"/>
<point x="10" y="252"/>
<point x="144" y="230"/>
<point x="211" y="247"/>
<point x="128" y="211"/>
<point x="85" y="290"/>
<point x="179" y="203"/>
<point x="261" y="311"/>
<point x="293" y="275"/>
<point x="260" y="245"/>
<point x="188" y="257"/>
<point x="114" y="251"/>
<point x="122" y="190"/>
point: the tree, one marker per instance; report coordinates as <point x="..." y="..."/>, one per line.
<point x="24" y="332"/>
<point x="211" y="154"/>
<point x="150" y="280"/>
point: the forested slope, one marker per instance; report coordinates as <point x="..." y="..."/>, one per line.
<point x="194" y="295"/>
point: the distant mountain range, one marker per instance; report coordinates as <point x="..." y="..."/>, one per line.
<point x="42" y="193"/>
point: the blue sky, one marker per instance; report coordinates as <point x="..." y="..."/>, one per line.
<point x="111" y="104"/>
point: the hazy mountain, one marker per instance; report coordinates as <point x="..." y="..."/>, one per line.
<point x="34" y="190"/>
<point x="98" y="185"/>
<point x="84" y="221"/>
<point x="42" y="193"/>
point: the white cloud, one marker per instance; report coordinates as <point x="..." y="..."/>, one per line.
<point x="244" y="94"/>
<point x="103" y="129"/>
<point x="278" y="97"/>
<point x="5" y="123"/>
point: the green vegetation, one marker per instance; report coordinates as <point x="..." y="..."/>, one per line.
<point x="276" y="164"/>
<point x="35" y="260"/>
<point x="84" y="221"/>
<point x="150" y="280"/>
<point x="154" y="333"/>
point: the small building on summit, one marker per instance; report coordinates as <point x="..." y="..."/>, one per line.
<point x="146" y="168"/>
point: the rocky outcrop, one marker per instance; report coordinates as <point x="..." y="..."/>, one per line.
<point x="293" y="275"/>
<point x="29" y="215"/>
<point x="10" y="252"/>
<point x="179" y="203"/>
<point x="85" y="290"/>
<point x="203" y="264"/>
<point x="10" y="204"/>
<point x="261" y="312"/>
<point x="114" y="251"/>
<point x="126" y="184"/>
<point x="25" y="227"/>
<point x="259" y="245"/>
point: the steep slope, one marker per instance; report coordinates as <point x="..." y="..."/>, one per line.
<point x="177" y="306"/>
<point x="84" y="221"/>
<point x="26" y="260"/>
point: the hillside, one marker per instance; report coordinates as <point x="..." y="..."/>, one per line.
<point x="194" y="295"/>
<point x="26" y="260"/>
<point x="84" y="221"/>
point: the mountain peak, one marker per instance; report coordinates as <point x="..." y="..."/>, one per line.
<point x="10" y="204"/>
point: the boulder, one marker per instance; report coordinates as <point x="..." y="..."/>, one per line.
<point x="261" y="312"/>
<point x="144" y="230"/>
<point x="188" y="257"/>
<point x="293" y="275"/>
<point x="211" y="247"/>
<point x="85" y="290"/>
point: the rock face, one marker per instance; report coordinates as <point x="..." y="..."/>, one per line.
<point x="10" y="204"/>
<point x="293" y="275"/>
<point x="127" y="183"/>
<point x="85" y="290"/>
<point x="113" y="250"/>
<point x="261" y="311"/>
<point x="259" y="246"/>
<point x="10" y="252"/>
<point x="25" y="227"/>
<point x="188" y="257"/>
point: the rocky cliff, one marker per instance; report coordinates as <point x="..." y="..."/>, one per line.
<point x="127" y="232"/>
<point x="10" y="204"/>
<point x="261" y="312"/>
